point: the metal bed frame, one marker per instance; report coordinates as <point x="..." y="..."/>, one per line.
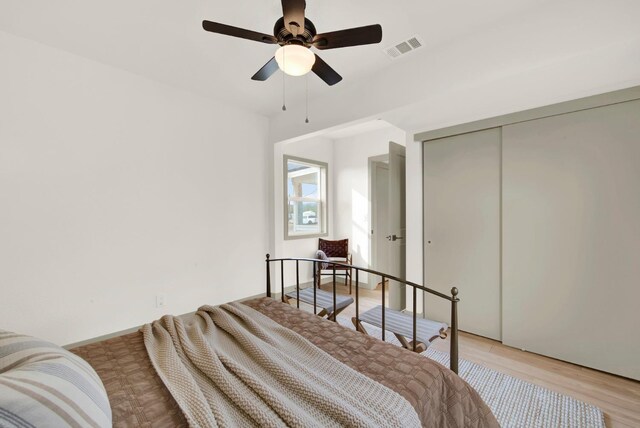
<point x="453" y="357"/>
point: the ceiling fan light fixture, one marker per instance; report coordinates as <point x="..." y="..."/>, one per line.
<point x="295" y="60"/>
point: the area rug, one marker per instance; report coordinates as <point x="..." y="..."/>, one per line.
<point x="514" y="402"/>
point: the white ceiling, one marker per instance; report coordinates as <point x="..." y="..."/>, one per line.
<point x="357" y="129"/>
<point x="163" y="39"/>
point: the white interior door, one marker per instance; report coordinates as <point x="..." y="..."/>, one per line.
<point x="396" y="242"/>
<point x="462" y="229"/>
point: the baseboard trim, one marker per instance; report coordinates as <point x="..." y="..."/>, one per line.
<point x="275" y="292"/>
<point x="114" y="334"/>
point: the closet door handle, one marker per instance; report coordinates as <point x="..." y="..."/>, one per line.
<point x="394" y="237"/>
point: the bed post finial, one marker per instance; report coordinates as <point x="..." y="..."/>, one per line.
<point x="453" y="353"/>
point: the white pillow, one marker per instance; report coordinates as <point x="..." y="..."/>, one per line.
<point x="42" y="385"/>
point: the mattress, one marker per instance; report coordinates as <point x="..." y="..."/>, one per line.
<point x="139" y="398"/>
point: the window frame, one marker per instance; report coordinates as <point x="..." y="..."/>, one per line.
<point x="324" y="197"/>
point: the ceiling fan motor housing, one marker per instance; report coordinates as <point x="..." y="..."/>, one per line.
<point x="285" y="37"/>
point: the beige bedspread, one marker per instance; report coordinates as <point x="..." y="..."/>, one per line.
<point x="138" y="397"/>
<point x="233" y="366"/>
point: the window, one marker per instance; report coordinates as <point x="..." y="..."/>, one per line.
<point x="305" y="186"/>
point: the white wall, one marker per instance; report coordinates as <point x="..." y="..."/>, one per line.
<point x="318" y="149"/>
<point x="115" y="188"/>
<point x="351" y="178"/>
<point x="415" y="247"/>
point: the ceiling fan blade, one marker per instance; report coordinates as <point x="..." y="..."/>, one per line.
<point x="267" y="70"/>
<point x="293" y="11"/>
<point x="352" y="37"/>
<point x="325" y="72"/>
<point x="228" y="30"/>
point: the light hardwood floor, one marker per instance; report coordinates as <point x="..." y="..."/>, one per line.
<point x="619" y="398"/>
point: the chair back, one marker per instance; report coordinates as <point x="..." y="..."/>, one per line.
<point x="338" y="248"/>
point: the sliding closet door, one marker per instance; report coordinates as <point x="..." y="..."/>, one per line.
<point x="571" y="237"/>
<point x="462" y="228"/>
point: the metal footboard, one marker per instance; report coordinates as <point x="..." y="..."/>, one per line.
<point x="453" y="357"/>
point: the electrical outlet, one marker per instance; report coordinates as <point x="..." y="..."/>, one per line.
<point x="161" y="300"/>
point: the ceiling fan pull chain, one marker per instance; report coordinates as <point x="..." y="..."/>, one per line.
<point x="284" y="104"/>
<point x="306" y="120"/>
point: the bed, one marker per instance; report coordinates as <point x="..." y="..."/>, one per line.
<point x="139" y="397"/>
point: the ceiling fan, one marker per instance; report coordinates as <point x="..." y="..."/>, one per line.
<point x="296" y="35"/>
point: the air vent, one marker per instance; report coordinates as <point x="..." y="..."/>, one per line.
<point x="414" y="42"/>
<point x="393" y="52"/>
<point x="403" y="47"/>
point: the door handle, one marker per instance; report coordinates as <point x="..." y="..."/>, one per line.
<point x="394" y="237"/>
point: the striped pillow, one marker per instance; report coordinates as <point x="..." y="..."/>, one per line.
<point x="42" y="384"/>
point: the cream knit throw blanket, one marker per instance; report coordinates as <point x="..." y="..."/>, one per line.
<point x="232" y="366"/>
